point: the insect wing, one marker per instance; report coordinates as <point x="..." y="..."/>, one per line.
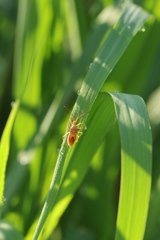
<point x="71" y="139"/>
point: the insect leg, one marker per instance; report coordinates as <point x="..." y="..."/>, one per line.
<point x="79" y="134"/>
<point x="65" y="134"/>
<point x="80" y="123"/>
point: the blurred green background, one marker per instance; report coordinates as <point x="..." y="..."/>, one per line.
<point x="46" y="48"/>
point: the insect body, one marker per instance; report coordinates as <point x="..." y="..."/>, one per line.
<point x="74" y="132"/>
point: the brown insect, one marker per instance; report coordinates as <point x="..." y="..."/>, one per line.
<point x="74" y="132"/>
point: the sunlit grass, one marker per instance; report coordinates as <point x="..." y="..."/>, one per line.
<point x="65" y="54"/>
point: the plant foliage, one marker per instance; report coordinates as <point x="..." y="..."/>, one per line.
<point x="96" y="56"/>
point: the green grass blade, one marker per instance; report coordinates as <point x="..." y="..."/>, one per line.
<point x="135" y="134"/>
<point x="4" y="150"/>
<point x="100" y="119"/>
<point x="130" y="22"/>
<point x="136" y="156"/>
<point x="135" y="137"/>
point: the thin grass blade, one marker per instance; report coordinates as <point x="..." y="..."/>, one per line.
<point x="4" y="150"/>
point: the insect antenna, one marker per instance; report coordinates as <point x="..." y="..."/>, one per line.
<point x="81" y="115"/>
<point x="68" y="109"/>
<point x="72" y="117"/>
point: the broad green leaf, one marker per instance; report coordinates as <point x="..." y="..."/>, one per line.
<point x="4" y="149"/>
<point x="136" y="153"/>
